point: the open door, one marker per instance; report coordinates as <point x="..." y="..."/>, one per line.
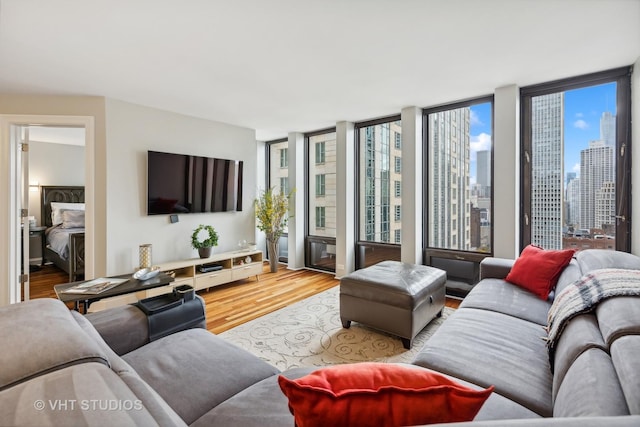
<point x="22" y="132"/>
<point x="16" y="169"/>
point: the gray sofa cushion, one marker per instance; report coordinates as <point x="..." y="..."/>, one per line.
<point x="590" y="388"/>
<point x="625" y="353"/>
<point x="194" y="370"/>
<point x="581" y="334"/>
<point x="595" y="259"/>
<point x="260" y="405"/>
<point x="264" y="405"/>
<point x="503" y="297"/>
<point x="570" y="274"/>
<point x="123" y="328"/>
<point x="88" y="394"/>
<point x="619" y="316"/>
<point x="488" y="348"/>
<point x="152" y="402"/>
<point x="47" y="323"/>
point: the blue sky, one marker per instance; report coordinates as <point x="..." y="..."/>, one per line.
<point x="582" y="111"/>
<point x="480" y="133"/>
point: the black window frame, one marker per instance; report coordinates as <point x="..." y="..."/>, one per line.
<point x="283" y="241"/>
<point x="381" y="250"/>
<point x="312" y="242"/>
<point x="622" y="77"/>
<point x="456" y="254"/>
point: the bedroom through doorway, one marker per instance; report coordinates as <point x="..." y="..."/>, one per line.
<point x="56" y="169"/>
<point x="27" y="173"/>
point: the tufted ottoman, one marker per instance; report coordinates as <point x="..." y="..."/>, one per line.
<point x="394" y="297"/>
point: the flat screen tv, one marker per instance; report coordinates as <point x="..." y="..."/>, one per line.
<point x="178" y="184"/>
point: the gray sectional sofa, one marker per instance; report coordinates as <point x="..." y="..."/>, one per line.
<point x="58" y="367"/>
<point x="496" y="337"/>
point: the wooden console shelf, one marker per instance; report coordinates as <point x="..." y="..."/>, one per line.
<point x="236" y="265"/>
<point x="232" y="266"/>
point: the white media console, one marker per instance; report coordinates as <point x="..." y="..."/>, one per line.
<point x="200" y="273"/>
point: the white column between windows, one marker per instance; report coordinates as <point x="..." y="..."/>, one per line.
<point x="412" y="188"/>
<point x="296" y="180"/>
<point x="346" y="198"/>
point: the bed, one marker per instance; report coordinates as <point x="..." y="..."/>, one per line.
<point x="65" y="228"/>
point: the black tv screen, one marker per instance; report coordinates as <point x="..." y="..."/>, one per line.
<point x="178" y="183"/>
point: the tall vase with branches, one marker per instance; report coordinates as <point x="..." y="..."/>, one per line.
<point x="272" y="216"/>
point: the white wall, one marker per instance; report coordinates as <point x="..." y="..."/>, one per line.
<point x="53" y="164"/>
<point x="131" y="131"/>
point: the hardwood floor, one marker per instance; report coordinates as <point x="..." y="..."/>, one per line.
<point x="233" y="304"/>
<point x="238" y="302"/>
<point x="43" y="281"/>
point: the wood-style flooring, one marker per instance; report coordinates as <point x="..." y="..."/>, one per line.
<point x="233" y="304"/>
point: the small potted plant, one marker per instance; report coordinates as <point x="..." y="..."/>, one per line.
<point x="203" y="239"/>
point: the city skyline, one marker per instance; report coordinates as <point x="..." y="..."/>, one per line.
<point x="583" y="111"/>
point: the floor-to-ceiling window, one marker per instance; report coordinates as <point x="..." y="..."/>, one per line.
<point x="278" y="180"/>
<point x="576" y="162"/>
<point x="379" y="202"/>
<point x="458" y="200"/>
<point x="320" y="245"/>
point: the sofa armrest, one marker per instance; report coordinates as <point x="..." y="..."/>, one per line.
<point x="126" y="328"/>
<point x="123" y="328"/>
<point x="495" y="268"/>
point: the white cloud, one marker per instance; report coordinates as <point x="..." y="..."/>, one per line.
<point x="579" y="115"/>
<point x="480" y="142"/>
<point x="580" y="124"/>
<point x="576" y="168"/>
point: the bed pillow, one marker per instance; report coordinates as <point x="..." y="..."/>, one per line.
<point x="537" y="270"/>
<point x="72" y="219"/>
<point x="56" y="208"/>
<point x="379" y="394"/>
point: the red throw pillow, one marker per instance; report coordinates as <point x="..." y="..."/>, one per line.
<point x="537" y="270"/>
<point x="379" y="394"/>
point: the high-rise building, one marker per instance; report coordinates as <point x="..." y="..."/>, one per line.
<point x="596" y="172"/>
<point x="608" y="129"/>
<point x="380" y="183"/>
<point x="449" y="177"/>
<point x="547" y="157"/>
<point x="483" y="172"/>
<point x="322" y="185"/>
<point x="605" y="199"/>
<point x="572" y="215"/>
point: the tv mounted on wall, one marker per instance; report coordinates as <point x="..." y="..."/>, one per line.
<point x="178" y="184"/>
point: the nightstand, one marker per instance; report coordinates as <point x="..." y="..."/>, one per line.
<point x="38" y="231"/>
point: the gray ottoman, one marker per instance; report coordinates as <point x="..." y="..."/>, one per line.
<point x="394" y="297"/>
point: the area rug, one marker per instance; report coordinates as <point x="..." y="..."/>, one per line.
<point x="309" y="333"/>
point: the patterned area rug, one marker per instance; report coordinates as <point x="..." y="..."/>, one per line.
<point x="309" y="333"/>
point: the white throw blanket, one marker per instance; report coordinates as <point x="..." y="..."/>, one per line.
<point x="584" y="295"/>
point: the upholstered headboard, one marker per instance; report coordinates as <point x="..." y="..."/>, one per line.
<point x="58" y="193"/>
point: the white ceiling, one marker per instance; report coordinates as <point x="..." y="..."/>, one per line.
<point x="301" y="65"/>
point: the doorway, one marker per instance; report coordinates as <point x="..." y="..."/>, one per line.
<point x="16" y="182"/>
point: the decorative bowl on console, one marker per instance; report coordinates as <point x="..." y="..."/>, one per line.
<point x="146" y="273"/>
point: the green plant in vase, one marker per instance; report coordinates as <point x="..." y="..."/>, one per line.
<point x="272" y="216"/>
<point x="204" y="238"/>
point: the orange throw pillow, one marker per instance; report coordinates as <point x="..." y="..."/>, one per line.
<point x="379" y="394"/>
<point x="537" y="270"/>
